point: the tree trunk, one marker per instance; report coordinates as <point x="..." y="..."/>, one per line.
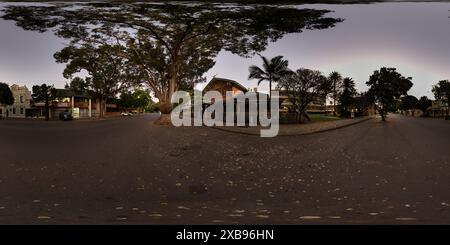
<point x="47" y="110"/>
<point x="383" y="116"/>
<point x="302" y="115"/>
<point x="104" y="108"/>
<point x="164" y="119"/>
<point x="101" y="107"/>
<point x="166" y="106"/>
<point x="334" y="98"/>
<point x="306" y="116"/>
<point x="97" y="107"/>
<point x="270" y="90"/>
<point x="382" y="112"/>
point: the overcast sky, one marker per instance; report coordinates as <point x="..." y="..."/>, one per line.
<point x="413" y="37"/>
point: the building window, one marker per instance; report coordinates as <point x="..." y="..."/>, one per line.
<point x="21" y="111"/>
<point x="21" y="99"/>
<point x="14" y="110"/>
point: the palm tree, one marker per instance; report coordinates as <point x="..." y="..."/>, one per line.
<point x="336" y="78"/>
<point x="347" y="97"/>
<point x="271" y="71"/>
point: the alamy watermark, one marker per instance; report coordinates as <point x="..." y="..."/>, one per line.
<point x="241" y="109"/>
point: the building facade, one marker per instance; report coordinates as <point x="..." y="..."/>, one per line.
<point x="438" y="108"/>
<point x="318" y="105"/>
<point x="223" y="85"/>
<point x="80" y="105"/>
<point x="22" y="101"/>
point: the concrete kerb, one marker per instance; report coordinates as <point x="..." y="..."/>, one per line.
<point x="224" y="129"/>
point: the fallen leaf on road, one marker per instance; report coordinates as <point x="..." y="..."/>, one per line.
<point x="406" y="219"/>
<point x="121" y="218"/>
<point x="334" y="217"/>
<point x="155" y="215"/>
<point x="235" y="215"/>
<point x="310" y="217"/>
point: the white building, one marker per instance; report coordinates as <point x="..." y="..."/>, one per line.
<point x="22" y="98"/>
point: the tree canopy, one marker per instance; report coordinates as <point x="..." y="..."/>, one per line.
<point x="347" y="96"/>
<point x="139" y="99"/>
<point x="6" y="96"/>
<point x="442" y="91"/>
<point x="107" y="71"/>
<point x="272" y="71"/>
<point x="77" y="85"/>
<point x="386" y="86"/>
<point x="44" y="93"/>
<point x="409" y="102"/>
<point x="171" y="45"/>
<point x="302" y="87"/>
<point x="424" y="103"/>
<point x="336" y="80"/>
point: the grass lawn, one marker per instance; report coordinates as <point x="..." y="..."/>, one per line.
<point x="316" y="117"/>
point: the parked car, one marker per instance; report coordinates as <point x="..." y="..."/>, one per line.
<point x="65" y="116"/>
<point x="126" y="114"/>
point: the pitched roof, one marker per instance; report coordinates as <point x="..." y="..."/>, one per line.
<point x="70" y="93"/>
<point x="232" y="82"/>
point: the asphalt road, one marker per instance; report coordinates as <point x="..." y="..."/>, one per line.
<point x="133" y="172"/>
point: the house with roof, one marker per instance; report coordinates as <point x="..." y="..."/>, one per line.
<point x="80" y="104"/>
<point x="438" y="108"/>
<point x="222" y="85"/>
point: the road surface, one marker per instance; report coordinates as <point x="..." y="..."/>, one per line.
<point x="129" y="171"/>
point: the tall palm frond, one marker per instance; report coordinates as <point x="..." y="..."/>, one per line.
<point x="272" y="70"/>
<point x="257" y="73"/>
<point x="336" y="80"/>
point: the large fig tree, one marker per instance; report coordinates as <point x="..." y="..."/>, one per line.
<point x="173" y="45"/>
